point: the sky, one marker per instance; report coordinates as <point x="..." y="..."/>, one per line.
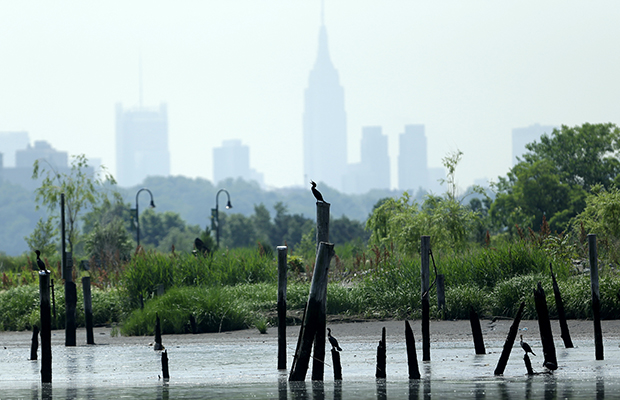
<point x="470" y="71"/>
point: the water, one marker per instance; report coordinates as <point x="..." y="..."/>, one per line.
<point x="243" y="368"/>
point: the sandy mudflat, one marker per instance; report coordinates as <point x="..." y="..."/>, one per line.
<point x="441" y="331"/>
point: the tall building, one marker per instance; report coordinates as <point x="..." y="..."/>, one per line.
<point x="412" y="159"/>
<point x="232" y="160"/>
<point x="523" y="136"/>
<point x="141" y="144"/>
<point x="373" y="171"/>
<point x="324" y="121"/>
<point x="10" y="142"/>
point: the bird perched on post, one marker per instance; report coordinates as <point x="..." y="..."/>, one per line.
<point x="40" y="262"/>
<point x="316" y="193"/>
<point x="332" y="340"/>
<point x="526" y="346"/>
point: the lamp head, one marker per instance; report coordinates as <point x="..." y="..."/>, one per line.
<point x="152" y="205"/>
<point x="228" y="205"/>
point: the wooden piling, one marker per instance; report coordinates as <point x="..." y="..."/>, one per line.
<point x="381" y="357"/>
<point x="34" y="346"/>
<point x="70" y="308"/>
<point x="528" y="364"/>
<point x="46" y="327"/>
<point x="282" y="270"/>
<point x="53" y="302"/>
<point x="512" y="334"/>
<point x="544" y="325"/>
<point x="314" y="315"/>
<point x="322" y="223"/>
<point x="476" y="331"/>
<point x="158" y="345"/>
<point x="88" y="310"/>
<point x="441" y="295"/>
<point x="412" y="357"/>
<point x="337" y="365"/>
<point x="425" y="249"/>
<point x="596" y="299"/>
<point x="164" y="364"/>
<point x="565" y="334"/>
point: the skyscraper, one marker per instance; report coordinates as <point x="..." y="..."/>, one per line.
<point x="232" y="160"/>
<point x="523" y="136"/>
<point x="412" y="159"/>
<point x="373" y="171"/>
<point x="324" y="121"/>
<point x="141" y="144"/>
<point x="10" y="142"/>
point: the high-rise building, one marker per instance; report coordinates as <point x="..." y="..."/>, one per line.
<point x="232" y="160"/>
<point x="373" y="171"/>
<point x="412" y="159"/>
<point x="141" y="144"/>
<point x="10" y="142"/>
<point x="523" y="136"/>
<point x="324" y="121"/>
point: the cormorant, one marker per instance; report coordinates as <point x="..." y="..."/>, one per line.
<point x="201" y="247"/>
<point x="526" y="346"/>
<point x="40" y="262"/>
<point x="332" y="340"/>
<point x="316" y="193"/>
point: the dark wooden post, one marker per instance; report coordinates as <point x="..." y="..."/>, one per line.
<point x="70" y="307"/>
<point x="164" y="364"/>
<point x="544" y="325"/>
<point x="282" y="270"/>
<point x="441" y="295"/>
<point x="381" y="357"/>
<point x="88" y="310"/>
<point x="322" y="223"/>
<point x="46" y="327"/>
<point x="34" y="346"/>
<point x="337" y="365"/>
<point x="596" y="299"/>
<point x="512" y="334"/>
<point x="412" y="357"/>
<point x="314" y="318"/>
<point x="53" y="303"/>
<point x="425" y="249"/>
<point x="476" y="331"/>
<point x="158" y="345"/>
<point x="528" y="364"/>
<point x="565" y="334"/>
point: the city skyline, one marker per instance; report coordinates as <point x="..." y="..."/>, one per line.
<point x="470" y="72"/>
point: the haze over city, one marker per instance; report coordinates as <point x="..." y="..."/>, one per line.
<point x="469" y="71"/>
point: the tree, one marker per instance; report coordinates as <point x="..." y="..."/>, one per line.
<point x="43" y="237"/>
<point x="81" y="187"/>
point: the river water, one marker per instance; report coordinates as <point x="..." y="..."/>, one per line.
<point x="243" y="368"/>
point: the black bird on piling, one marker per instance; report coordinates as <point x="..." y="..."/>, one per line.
<point x="332" y="340"/>
<point x="40" y="262"/>
<point x="526" y="346"/>
<point x="316" y="193"/>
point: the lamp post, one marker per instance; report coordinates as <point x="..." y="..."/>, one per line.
<point x="215" y="212"/>
<point x="152" y="205"/>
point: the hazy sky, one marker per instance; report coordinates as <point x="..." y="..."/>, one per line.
<point x="469" y="70"/>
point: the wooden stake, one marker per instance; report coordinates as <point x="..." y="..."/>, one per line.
<point x="476" y="331"/>
<point x="158" y="345"/>
<point x="34" y="347"/>
<point x="544" y="325"/>
<point x="70" y="307"/>
<point x="322" y="223"/>
<point x="88" y="310"/>
<point x="596" y="298"/>
<point x="425" y="248"/>
<point x="164" y="364"/>
<point x="46" y="327"/>
<point x="412" y="357"/>
<point x="512" y="334"/>
<point x="282" y="270"/>
<point x="528" y="364"/>
<point x="337" y="366"/>
<point x="565" y="334"/>
<point x="381" y="357"/>
<point x="441" y="295"/>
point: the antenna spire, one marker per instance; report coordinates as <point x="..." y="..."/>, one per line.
<point x="322" y="12"/>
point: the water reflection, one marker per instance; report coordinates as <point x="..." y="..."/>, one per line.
<point x="381" y="389"/>
<point x="318" y="390"/>
<point x="414" y="389"/>
<point x="337" y="390"/>
<point x="479" y="391"/>
<point x="299" y="391"/>
<point x="282" y="386"/>
<point x="600" y="388"/>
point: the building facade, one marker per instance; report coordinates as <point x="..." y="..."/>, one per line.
<point x="232" y="160"/>
<point x="523" y="136"/>
<point x="412" y="159"/>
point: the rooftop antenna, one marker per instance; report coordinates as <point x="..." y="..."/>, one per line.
<point x="322" y="12"/>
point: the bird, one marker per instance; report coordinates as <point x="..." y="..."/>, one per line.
<point x="526" y="347"/>
<point x="332" y="340"/>
<point x="40" y="262"/>
<point x="201" y="247"/>
<point x="316" y="193"/>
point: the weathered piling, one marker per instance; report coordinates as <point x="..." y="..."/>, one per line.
<point x="381" y="357"/>
<point x="34" y="346"/>
<point x="425" y="248"/>
<point x="46" y="327"/>
<point x="158" y="345"/>
<point x="282" y="270"/>
<point x="596" y="298"/>
<point x="164" y="365"/>
<point x="412" y="357"/>
<point x="476" y="331"/>
<point x="441" y="295"/>
<point x="512" y="334"/>
<point x="53" y="302"/>
<point x="88" y="310"/>
<point x="565" y="334"/>
<point x="67" y="274"/>
<point x="314" y="317"/>
<point x="544" y="325"/>
<point x="322" y="223"/>
<point x="528" y="364"/>
<point x="337" y="365"/>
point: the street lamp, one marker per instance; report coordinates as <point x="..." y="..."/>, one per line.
<point x="214" y="214"/>
<point x="152" y="205"/>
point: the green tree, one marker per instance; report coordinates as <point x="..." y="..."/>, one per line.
<point x="43" y="237"/>
<point x="81" y="187"/>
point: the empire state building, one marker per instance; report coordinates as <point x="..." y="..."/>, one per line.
<point x="325" y="121"/>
